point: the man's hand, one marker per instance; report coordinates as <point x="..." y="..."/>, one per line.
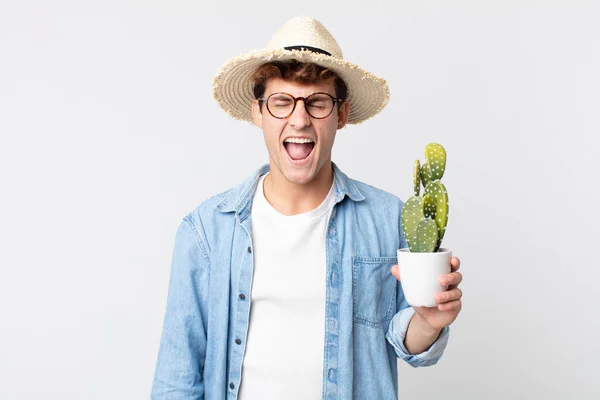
<point x="449" y="302"/>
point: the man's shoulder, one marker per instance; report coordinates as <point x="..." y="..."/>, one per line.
<point x="224" y="202"/>
<point x="210" y="207"/>
<point x="375" y="196"/>
<point x="379" y="211"/>
<point x="205" y="215"/>
<point x="367" y="195"/>
<point x="211" y="204"/>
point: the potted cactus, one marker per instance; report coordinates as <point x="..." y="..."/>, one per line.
<point x="424" y="221"/>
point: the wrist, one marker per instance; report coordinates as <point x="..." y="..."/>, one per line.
<point x="425" y="328"/>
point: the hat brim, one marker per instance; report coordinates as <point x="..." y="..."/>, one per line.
<point x="233" y="85"/>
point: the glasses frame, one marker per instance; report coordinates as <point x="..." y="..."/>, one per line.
<point x="266" y="101"/>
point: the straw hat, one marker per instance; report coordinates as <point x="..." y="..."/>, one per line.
<point x="304" y="39"/>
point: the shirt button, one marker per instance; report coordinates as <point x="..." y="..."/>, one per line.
<point x="242" y="296"/>
<point x="238" y="341"/>
<point x="249" y="249"/>
<point x="231" y="385"/>
<point x="332" y="374"/>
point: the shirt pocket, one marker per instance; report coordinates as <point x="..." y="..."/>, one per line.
<point x="374" y="290"/>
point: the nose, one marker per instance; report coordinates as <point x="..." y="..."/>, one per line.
<point x="299" y="118"/>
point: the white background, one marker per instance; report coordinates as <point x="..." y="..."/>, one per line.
<point x="109" y="136"/>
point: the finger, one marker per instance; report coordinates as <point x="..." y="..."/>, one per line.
<point x="455" y="305"/>
<point x="396" y="271"/>
<point x="450" y="295"/>
<point x="452" y="279"/>
<point x="454" y="263"/>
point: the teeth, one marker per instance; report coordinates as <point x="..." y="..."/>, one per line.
<point x="298" y="140"/>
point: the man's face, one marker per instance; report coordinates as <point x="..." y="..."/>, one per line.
<point x="289" y="158"/>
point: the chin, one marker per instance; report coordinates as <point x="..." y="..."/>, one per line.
<point x="299" y="177"/>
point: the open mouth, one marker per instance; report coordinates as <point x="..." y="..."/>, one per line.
<point x="299" y="149"/>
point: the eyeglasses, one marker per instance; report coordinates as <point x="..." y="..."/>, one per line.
<point x="318" y="105"/>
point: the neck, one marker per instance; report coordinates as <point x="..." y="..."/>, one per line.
<point x="291" y="198"/>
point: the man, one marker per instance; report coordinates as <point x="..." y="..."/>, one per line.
<point x="285" y="287"/>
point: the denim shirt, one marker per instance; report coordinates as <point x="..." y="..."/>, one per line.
<point x="209" y="298"/>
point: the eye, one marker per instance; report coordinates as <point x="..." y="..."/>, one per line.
<point x="319" y="102"/>
<point x="281" y="101"/>
<point x="317" y="106"/>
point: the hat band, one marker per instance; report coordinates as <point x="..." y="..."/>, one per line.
<point x="309" y="48"/>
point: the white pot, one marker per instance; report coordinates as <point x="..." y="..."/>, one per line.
<point x="420" y="275"/>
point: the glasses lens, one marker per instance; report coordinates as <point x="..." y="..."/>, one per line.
<point x="280" y="105"/>
<point x="319" y="105"/>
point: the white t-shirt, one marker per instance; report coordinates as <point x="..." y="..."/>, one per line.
<point x="284" y="350"/>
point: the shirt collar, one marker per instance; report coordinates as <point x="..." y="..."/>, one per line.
<point x="239" y="198"/>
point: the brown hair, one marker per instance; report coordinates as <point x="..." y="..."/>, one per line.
<point x="298" y="72"/>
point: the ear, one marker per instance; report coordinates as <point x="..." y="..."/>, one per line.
<point x="343" y="114"/>
<point x="256" y="113"/>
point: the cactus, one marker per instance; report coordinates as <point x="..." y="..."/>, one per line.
<point x="424" y="219"/>
<point x="417" y="178"/>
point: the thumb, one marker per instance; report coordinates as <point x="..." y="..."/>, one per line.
<point x="396" y="271"/>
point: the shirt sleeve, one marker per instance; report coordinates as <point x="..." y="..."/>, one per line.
<point x="182" y="351"/>
<point x="397" y="332"/>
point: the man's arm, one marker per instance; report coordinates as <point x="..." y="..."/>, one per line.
<point x="419" y="335"/>
<point x="412" y="341"/>
<point x="404" y="333"/>
<point x="180" y="364"/>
